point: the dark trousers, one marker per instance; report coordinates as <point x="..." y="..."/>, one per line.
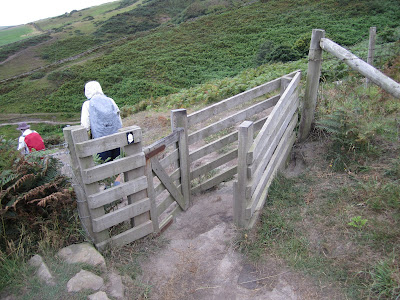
<point x="111" y="154"/>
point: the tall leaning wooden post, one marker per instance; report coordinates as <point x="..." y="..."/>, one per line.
<point x="179" y="120"/>
<point x="240" y="202"/>
<point x="312" y="83"/>
<point x="82" y="204"/>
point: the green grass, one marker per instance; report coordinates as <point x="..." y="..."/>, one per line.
<point x="14" y="34"/>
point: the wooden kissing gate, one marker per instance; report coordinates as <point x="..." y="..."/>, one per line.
<point x="158" y="180"/>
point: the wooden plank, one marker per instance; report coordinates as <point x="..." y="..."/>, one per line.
<point x="213" y="146"/>
<point x="221" y="142"/>
<point x="165" y="204"/>
<point x="263" y="136"/>
<point x="80" y="135"/>
<point x="246" y="133"/>
<point x="124" y="189"/>
<point x="132" y="174"/>
<point x="232" y="102"/>
<point x="179" y="119"/>
<point x="121" y="215"/>
<point x="170" y="217"/>
<point x="223" y="159"/>
<point x="166" y="180"/>
<point x="152" y="196"/>
<point x="259" y="123"/>
<point x="166" y="141"/>
<point x="376" y="76"/>
<point x="233" y="119"/>
<point x="128" y="236"/>
<point x="170" y="158"/>
<point x="81" y="201"/>
<point x="214" y="180"/>
<point x="263" y="198"/>
<point x="286" y="142"/>
<point x="116" y="140"/>
<point x="174" y="177"/>
<point x="252" y="220"/>
<point x="256" y="178"/>
<point x="112" y="168"/>
<point x="166" y="221"/>
<point x="159" y="189"/>
<point x="276" y="133"/>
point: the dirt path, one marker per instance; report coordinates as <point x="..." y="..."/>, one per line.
<point x="14" y="119"/>
<point x="200" y="261"/>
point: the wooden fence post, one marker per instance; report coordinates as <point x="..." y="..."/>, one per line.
<point x="245" y="138"/>
<point x="371" y="50"/>
<point x="132" y="149"/>
<point x="82" y="204"/>
<point x="179" y="120"/>
<point x="285" y="81"/>
<point x="80" y="135"/>
<point x="312" y="83"/>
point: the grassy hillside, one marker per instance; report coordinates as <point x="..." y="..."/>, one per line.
<point x="221" y="44"/>
<point x="13" y="34"/>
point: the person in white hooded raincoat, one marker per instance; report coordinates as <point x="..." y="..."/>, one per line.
<point x="101" y="116"/>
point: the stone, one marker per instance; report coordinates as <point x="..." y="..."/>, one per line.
<point x="98" y="296"/>
<point x="85" y="280"/>
<point x="115" y="287"/>
<point x="42" y="271"/>
<point x="82" y="253"/>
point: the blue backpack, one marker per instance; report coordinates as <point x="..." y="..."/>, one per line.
<point x="104" y="116"/>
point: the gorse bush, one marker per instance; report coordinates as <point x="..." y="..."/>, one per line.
<point x="269" y="52"/>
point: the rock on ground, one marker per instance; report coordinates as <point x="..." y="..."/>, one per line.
<point x="98" y="296"/>
<point x="82" y="253"/>
<point x="115" y="287"/>
<point x="85" y="280"/>
<point x="42" y="271"/>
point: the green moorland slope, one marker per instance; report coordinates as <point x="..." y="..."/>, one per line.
<point x="177" y="54"/>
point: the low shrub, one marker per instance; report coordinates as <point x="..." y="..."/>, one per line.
<point x="350" y="142"/>
<point x="37" y="203"/>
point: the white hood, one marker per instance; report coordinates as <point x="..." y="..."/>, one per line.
<point x="92" y="88"/>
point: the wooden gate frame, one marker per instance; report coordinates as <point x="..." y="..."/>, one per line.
<point x="92" y="199"/>
<point x="139" y="167"/>
<point x="156" y="167"/>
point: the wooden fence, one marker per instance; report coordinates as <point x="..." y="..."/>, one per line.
<point x="223" y="133"/>
<point x="105" y="217"/>
<point x="319" y="44"/>
<point x="158" y="180"/>
<point x="261" y="157"/>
